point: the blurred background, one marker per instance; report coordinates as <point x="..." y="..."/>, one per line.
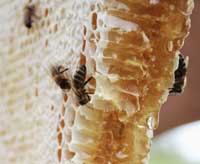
<point x="177" y="139"/>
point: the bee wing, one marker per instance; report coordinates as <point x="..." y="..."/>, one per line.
<point x="186" y="61"/>
<point x="186" y="65"/>
<point x="51" y="67"/>
<point x="48" y="67"/>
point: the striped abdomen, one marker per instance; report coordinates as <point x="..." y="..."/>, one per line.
<point x="79" y="77"/>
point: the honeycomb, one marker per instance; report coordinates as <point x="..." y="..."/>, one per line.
<point x="130" y="47"/>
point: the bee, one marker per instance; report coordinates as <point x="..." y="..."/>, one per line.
<point x="29" y="15"/>
<point x="60" y="78"/>
<point x="180" y="75"/>
<point x="79" y="85"/>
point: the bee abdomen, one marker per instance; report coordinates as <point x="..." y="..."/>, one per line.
<point x="28" y="23"/>
<point x="79" y="77"/>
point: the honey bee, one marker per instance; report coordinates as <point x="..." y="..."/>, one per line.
<point x="60" y="78"/>
<point x="79" y="85"/>
<point x="29" y="15"/>
<point x="180" y="75"/>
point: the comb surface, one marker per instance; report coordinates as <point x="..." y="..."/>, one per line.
<point x="130" y="47"/>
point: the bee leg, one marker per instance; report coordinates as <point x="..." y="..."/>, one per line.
<point x="89" y="93"/>
<point x="36" y="17"/>
<point x="171" y="91"/>
<point x="75" y="92"/>
<point x="175" y="91"/>
<point x="63" y="70"/>
<point x="87" y="81"/>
